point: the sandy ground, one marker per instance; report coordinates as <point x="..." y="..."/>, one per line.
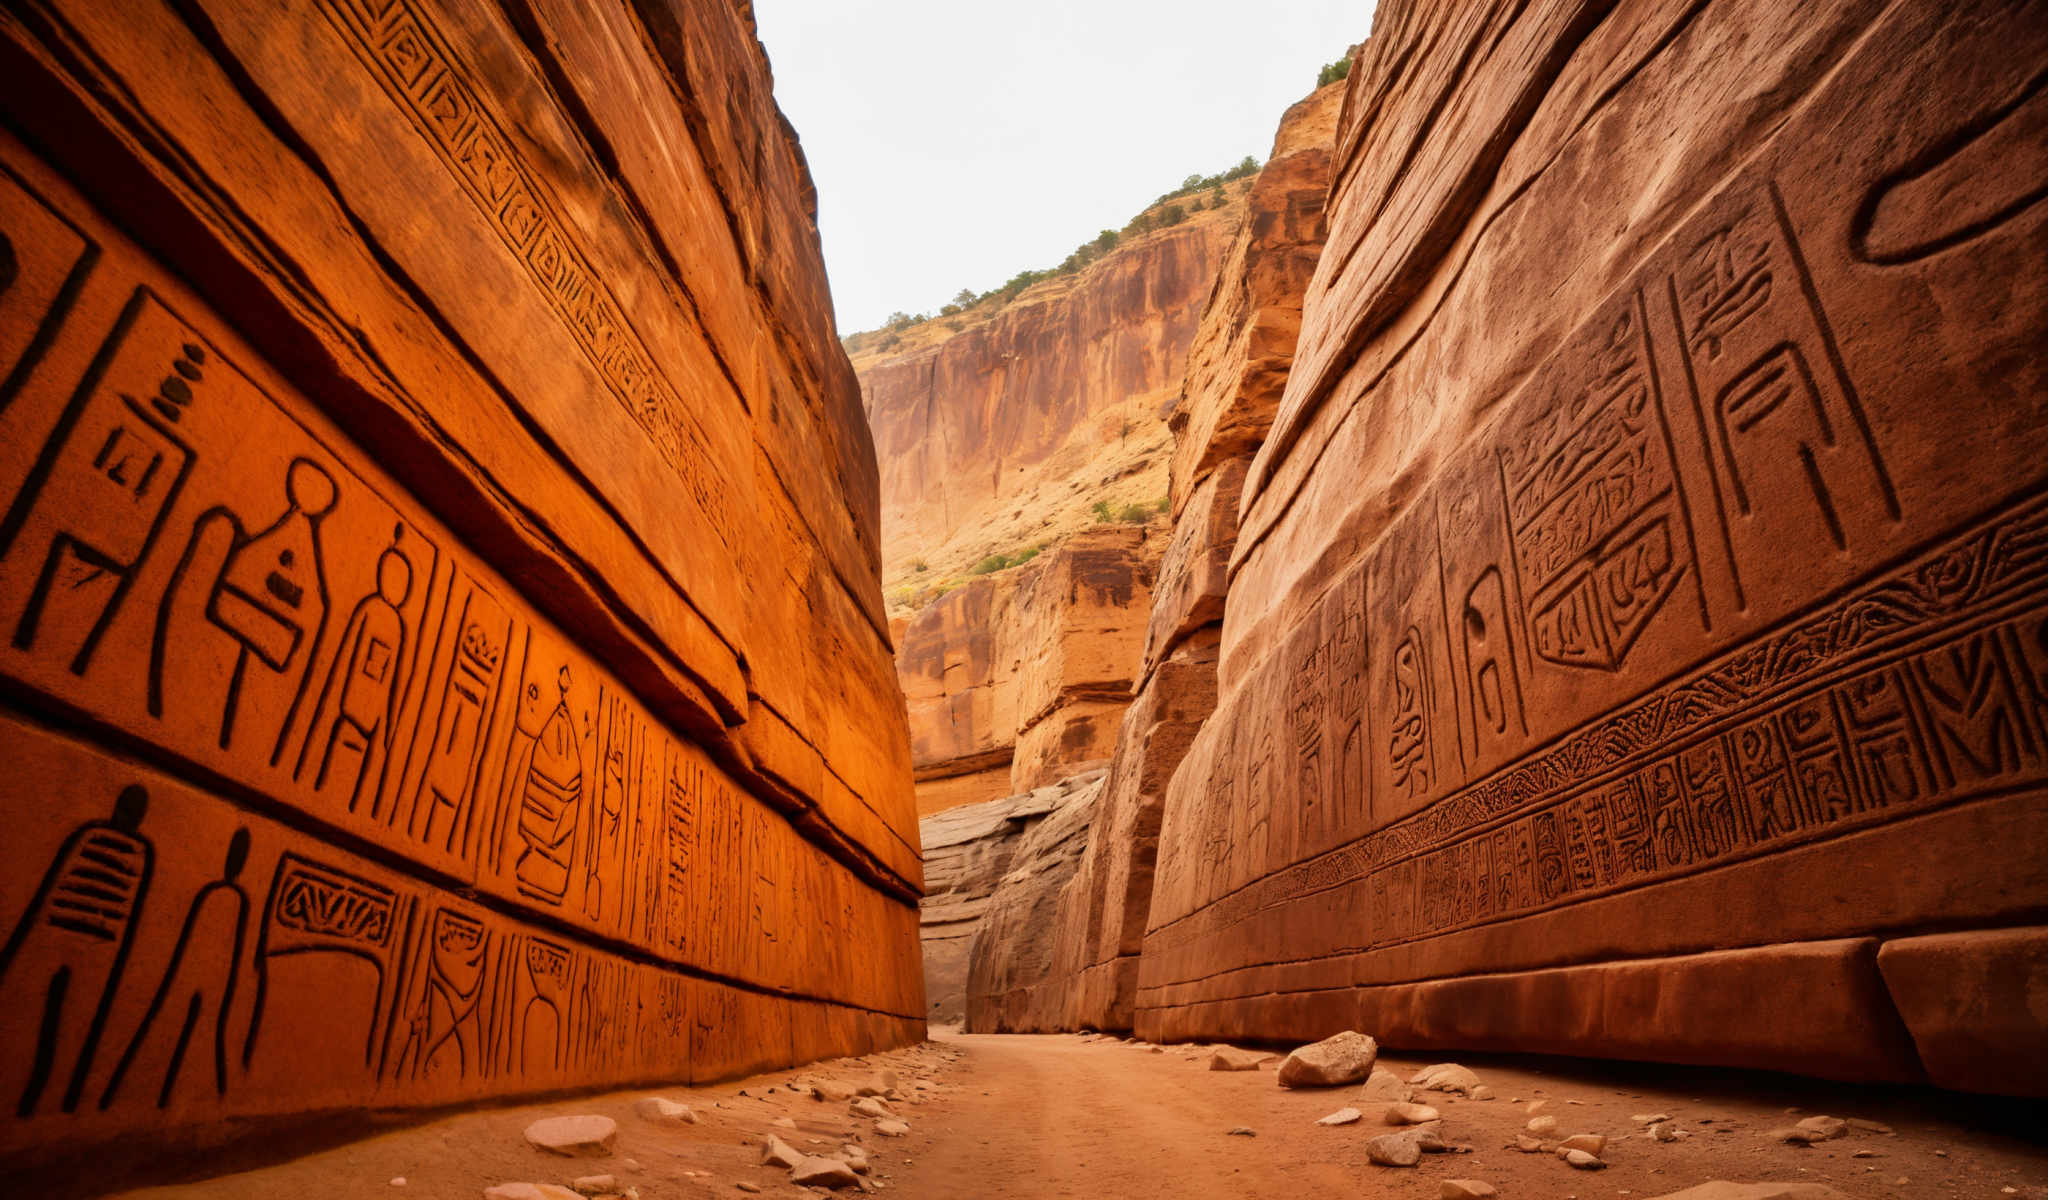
<point x="1069" y="1116"/>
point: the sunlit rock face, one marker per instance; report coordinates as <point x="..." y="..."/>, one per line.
<point x="1061" y="945"/>
<point x="1033" y="424"/>
<point x="439" y="600"/>
<point x="1635" y="617"/>
<point x="1018" y="678"/>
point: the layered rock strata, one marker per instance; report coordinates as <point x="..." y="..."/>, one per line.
<point x="1017" y="679"/>
<point x="1637" y="612"/>
<point x="1080" y="968"/>
<point x="1001" y="428"/>
<point x="443" y="648"/>
<point x="968" y="851"/>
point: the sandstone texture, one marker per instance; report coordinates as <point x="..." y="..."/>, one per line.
<point x="1006" y="432"/>
<point x="440" y="620"/>
<point x="1648" y="532"/>
<point x="967" y="853"/>
<point x="1095" y="941"/>
<point x="1017" y="679"/>
<point x="1014" y="983"/>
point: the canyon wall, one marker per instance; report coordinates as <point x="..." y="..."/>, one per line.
<point x="1063" y="946"/>
<point x="1636" y="641"/>
<point x="443" y="651"/>
<point x="1003" y="436"/>
<point x="1017" y="678"/>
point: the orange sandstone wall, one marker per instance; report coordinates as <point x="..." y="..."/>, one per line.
<point x="441" y="643"/>
<point x="1637" y="619"/>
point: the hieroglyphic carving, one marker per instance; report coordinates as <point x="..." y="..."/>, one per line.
<point x="67" y="953"/>
<point x="206" y="587"/>
<point x="1795" y="462"/>
<point x="407" y="53"/>
<point x="44" y="261"/>
<point x="1593" y="497"/>
<point x="1766" y="746"/>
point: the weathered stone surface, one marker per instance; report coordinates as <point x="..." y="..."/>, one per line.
<point x="1409" y="1114"/>
<point x="1448" y="1077"/>
<point x="573" y="1135"/>
<point x="1343" y="1116"/>
<point x="1973" y="1003"/>
<point x="530" y="1191"/>
<point x="1466" y="1189"/>
<point x="1339" y="1059"/>
<point x="1402" y="1149"/>
<point x="663" y="1111"/>
<point x="1091" y="944"/>
<point x="967" y="852"/>
<point x="476" y="533"/>
<point x="1230" y="1058"/>
<point x="777" y="1153"/>
<point x="1004" y="434"/>
<point x="817" y="1171"/>
<point x="1010" y="962"/>
<point x="1031" y="666"/>
<point x="1626" y="400"/>
<point x="1237" y="365"/>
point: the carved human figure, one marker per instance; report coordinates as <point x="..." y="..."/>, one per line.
<point x="259" y="596"/>
<point x="66" y="955"/>
<point x="550" y="782"/>
<point x="358" y="704"/>
<point x="188" y="1017"/>
<point x="602" y="830"/>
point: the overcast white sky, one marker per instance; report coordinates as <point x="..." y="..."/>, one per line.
<point x="957" y="142"/>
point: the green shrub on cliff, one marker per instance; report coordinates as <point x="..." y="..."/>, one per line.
<point x="1332" y="72"/>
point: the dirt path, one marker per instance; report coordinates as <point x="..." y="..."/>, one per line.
<point x="1006" y="1118"/>
<point x="1063" y="1116"/>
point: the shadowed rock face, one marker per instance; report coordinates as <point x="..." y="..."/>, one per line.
<point x="1636" y="614"/>
<point x="439" y="604"/>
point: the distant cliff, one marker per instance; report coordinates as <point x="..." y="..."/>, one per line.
<point x="1008" y="430"/>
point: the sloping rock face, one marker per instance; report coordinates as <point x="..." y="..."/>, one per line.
<point x="443" y="648"/>
<point x="1080" y="967"/>
<point x="1018" y="679"/>
<point x="1006" y="988"/>
<point x="1637" y="615"/>
<point x="968" y="850"/>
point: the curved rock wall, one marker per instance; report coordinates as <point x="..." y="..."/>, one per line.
<point x="1635" y="640"/>
<point x="443" y="645"/>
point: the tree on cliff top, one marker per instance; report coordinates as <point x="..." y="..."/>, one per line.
<point x="1332" y="72"/>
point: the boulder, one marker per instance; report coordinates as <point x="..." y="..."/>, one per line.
<point x="1402" y="1149"/>
<point x="1336" y="1060"/>
<point x="1410" y="1114"/>
<point x="662" y="1111"/>
<point x="1343" y="1116"/>
<point x="892" y="1128"/>
<point x="530" y="1191"/>
<point x="1465" y="1189"/>
<point x="815" y="1171"/>
<point x="777" y="1153"/>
